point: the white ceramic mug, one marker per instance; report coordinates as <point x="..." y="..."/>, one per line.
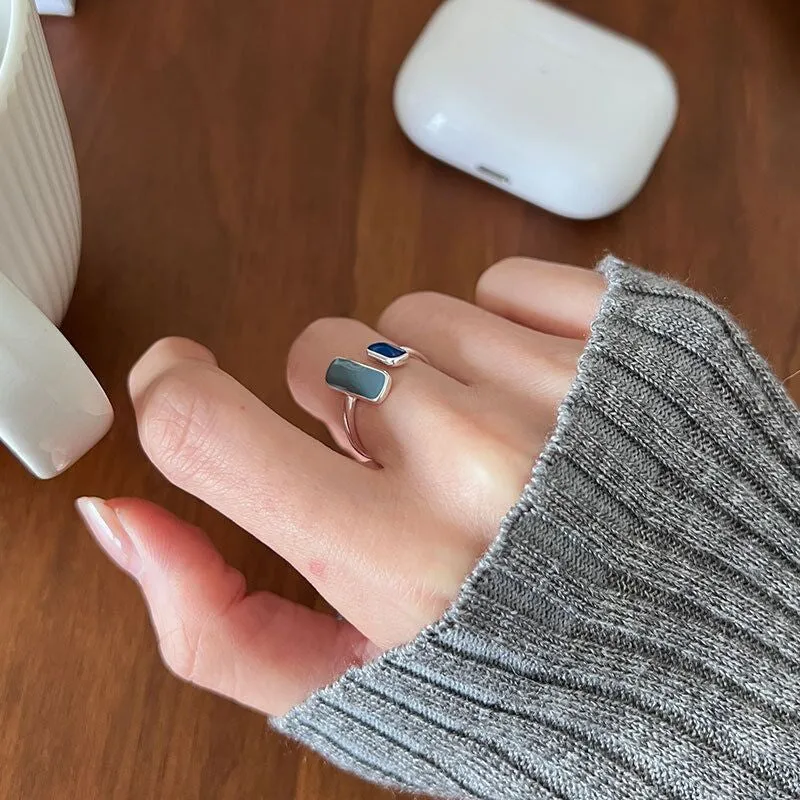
<point x="52" y="409"/>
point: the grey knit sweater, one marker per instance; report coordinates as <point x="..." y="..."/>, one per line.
<point x="634" y="631"/>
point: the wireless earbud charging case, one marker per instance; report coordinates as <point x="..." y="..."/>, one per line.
<point x="548" y="106"/>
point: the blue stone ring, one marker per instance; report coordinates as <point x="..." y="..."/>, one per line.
<point x="357" y="381"/>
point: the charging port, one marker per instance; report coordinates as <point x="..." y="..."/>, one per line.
<point x="493" y="175"/>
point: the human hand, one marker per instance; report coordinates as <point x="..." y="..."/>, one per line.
<point x="387" y="548"/>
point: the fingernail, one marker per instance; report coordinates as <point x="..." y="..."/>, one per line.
<point x="107" y="529"/>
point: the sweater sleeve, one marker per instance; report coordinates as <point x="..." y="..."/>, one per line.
<point x="634" y="630"/>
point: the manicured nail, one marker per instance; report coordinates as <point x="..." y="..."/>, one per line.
<point x="107" y="529"/>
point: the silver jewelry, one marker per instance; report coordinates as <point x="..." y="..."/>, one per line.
<point x="359" y="381"/>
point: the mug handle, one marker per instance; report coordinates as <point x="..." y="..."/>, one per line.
<point x="52" y="409"/>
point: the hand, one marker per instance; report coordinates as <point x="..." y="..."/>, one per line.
<point x="387" y="548"/>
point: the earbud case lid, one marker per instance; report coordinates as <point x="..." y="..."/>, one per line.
<point x="553" y="108"/>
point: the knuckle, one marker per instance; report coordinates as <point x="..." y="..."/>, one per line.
<point x="320" y="330"/>
<point x="488" y="275"/>
<point x="168" y="344"/>
<point x="512" y="262"/>
<point x="318" y="336"/>
<point x="178" y="427"/>
<point x="410" y="308"/>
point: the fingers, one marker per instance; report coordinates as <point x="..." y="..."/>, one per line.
<point x="484" y="350"/>
<point x="258" y="649"/>
<point x="388" y="548"/>
<point x="552" y="298"/>
<point x="430" y="431"/>
<point x="353" y="535"/>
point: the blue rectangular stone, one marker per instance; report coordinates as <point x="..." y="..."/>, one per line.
<point x="352" y="377"/>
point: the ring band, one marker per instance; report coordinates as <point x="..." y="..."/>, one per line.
<point x="359" y="381"/>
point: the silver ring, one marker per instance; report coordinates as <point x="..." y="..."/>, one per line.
<point x="357" y="381"/>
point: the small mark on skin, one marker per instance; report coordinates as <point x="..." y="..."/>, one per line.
<point x="317" y="568"/>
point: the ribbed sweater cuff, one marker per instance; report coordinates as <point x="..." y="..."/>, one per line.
<point x="634" y="630"/>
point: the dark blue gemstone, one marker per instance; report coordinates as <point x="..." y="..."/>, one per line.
<point x="386" y="350"/>
<point x="357" y="379"/>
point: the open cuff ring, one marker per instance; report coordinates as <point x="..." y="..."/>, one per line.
<point x="359" y="381"/>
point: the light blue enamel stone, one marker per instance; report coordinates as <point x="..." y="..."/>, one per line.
<point x="357" y="379"/>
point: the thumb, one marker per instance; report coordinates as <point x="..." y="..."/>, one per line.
<point x="258" y="649"/>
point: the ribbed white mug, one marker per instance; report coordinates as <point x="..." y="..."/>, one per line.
<point x="52" y="409"/>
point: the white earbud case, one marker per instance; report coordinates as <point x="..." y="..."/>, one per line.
<point x="64" y="8"/>
<point x="546" y="105"/>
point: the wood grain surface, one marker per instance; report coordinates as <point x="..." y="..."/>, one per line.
<point x="242" y="174"/>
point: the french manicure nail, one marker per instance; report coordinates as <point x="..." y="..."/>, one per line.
<point x="107" y="529"/>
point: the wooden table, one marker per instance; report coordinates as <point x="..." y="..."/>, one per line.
<point x="242" y="174"/>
